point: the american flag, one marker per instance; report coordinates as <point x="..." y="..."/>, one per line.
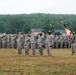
<point x="68" y="31"/>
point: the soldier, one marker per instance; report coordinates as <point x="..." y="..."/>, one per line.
<point x="49" y="42"/>
<point x="61" y="41"/>
<point x="68" y="42"/>
<point x="56" y="41"/>
<point x="40" y="44"/>
<point x="8" y="40"/>
<point x="12" y="41"/>
<point x="4" y="41"/>
<point x="0" y="42"/>
<point x="19" y="43"/>
<point x="26" y="44"/>
<point x="73" y="43"/>
<point x="33" y="41"/>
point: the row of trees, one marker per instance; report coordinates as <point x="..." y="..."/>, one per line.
<point x="25" y="22"/>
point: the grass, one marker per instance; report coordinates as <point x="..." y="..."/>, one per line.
<point x="60" y="63"/>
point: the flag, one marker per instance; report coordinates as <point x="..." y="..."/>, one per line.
<point x="68" y="31"/>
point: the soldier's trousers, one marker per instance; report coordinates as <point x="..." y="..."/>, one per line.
<point x="48" y="49"/>
<point x="33" y="48"/>
<point x="8" y="45"/>
<point x="19" y="49"/>
<point x="4" y="45"/>
<point x="40" y="48"/>
<point x="26" y="49"/>
<point x="73" y="47"/>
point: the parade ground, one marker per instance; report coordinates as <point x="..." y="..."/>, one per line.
<point x="60" y="63"/>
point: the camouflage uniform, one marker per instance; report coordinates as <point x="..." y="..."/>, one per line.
<point x="33" y="43"/>
<point x="0" y="42"/>
<point x="68" y="42"/>
<point x="4" y="42"/>
<point x="49" y="43"/>
<point x="40" y="44"/>
<point x="73" y="43"/>
<point x="12" y="41"/>
<point x="26" y="44"/>
<point x="56" y="41"/>
<point x="61" y="42"/>
<point x="8" y="41"/>
<point x="19" y="43"/>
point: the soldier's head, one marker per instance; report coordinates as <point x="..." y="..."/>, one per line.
<point x="32" y="31"/>
<point x="19" y="33"/>
<point x="40" y="34"/>
<point x="49" y="32"/>
<point x="73" y="32"/>
<point x="25" y="36"/>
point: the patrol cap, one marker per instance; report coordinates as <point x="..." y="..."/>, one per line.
<point x="49" y="32"/>
<point x="73" y="32"/>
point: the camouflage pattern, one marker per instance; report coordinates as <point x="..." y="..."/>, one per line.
<point x="19" y="43"/>
<point x="73" y="43"/>
<point x="8" y="41"/>
<point x="40" y="44"/>
<point x="26" y="44"/>
<point x="33" y="42"/>
<point x="4" y="42"/>
<point x="49" y="43"/>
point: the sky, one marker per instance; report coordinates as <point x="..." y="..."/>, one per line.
<point x="37" y="6"/>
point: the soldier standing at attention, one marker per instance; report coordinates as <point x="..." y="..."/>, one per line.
<point x="8" y="41"/>
<point x="49" y="42"/>
<point x="40" y="44"/>
<point x="4" y="41"/>
<point x="33" y="41"/>
<point x="12" y="41"/>
<point x="19" y="43"/>
<point x="26" y="44"/>
<point x="73" y="43"/>
<point x="0" y="42"/>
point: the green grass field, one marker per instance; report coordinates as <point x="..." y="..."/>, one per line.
<point x="60" y="63"/>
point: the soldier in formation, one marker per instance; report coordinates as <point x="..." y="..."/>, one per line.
<point x="4" y="41"/>
<point x="8" y="41"/>
<point x="50" y="41"/>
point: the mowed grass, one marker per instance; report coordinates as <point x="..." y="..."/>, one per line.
<point x="60" y="63"/>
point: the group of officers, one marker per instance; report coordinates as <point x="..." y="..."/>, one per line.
<point x="27" y="41"/>
<point x="33" y="42"/>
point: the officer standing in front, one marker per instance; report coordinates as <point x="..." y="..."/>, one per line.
<point x="40" y="44"/>
<point x="26" y="44"/>
<point x="19" y="43"/>
<point x="49" y="42"/>
<point x="33" y="42"/>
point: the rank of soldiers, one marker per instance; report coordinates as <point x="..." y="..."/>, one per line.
<point x="40" y="41"/>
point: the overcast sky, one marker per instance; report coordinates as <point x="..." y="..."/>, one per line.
<point x="37" y="6"/>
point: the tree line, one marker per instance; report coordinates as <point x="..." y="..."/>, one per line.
<point x="25" y="22"/>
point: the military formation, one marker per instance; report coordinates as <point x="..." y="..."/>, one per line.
<point x="32" y="41"/>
